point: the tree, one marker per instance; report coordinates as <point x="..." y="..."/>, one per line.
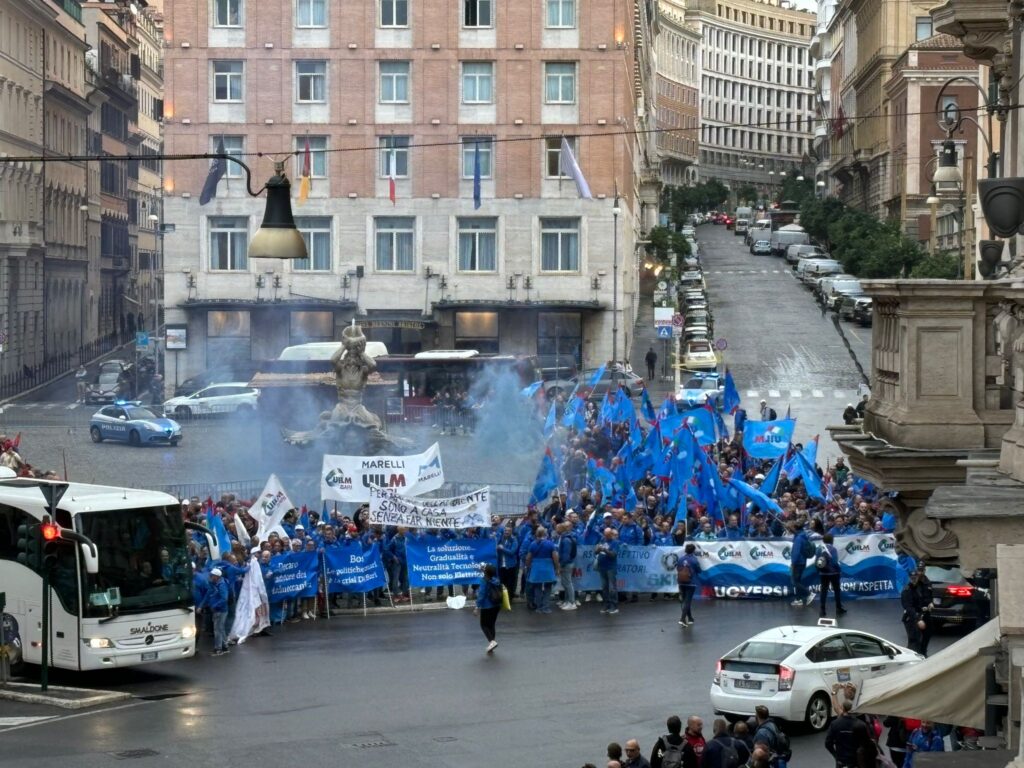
<point x="665" y="242"/>
<point x="797" y="191"/>
<point x="747" y="193"/>
<point x="944" y="265"/>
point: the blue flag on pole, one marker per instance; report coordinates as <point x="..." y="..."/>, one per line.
<point x="220" y="533"/>
<point x="771" y="480"/>
<point x="646" y="406"/>
<point x="701" y="423"/>
<point x="304" y="519"/>
<point x="756" y="496"/>
<point x="806" y="472"/>
<point x="531" y="390"/>
<point x="597" y="376"/>
<point x="624" y="410"/>
<point x="573" y="416"/>
<point x="549" y="422"/>
<point x="731" y="396"/>
<point x="547" y="478"/>
<point x="768" y="439"/>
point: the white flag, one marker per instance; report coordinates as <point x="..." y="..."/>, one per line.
<point x="243" y="535"/>
<point x="270" y="509"/>
<point x="252" y="611"/>
<point x="569" y="166"/>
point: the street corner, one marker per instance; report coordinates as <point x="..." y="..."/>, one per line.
<point x="19" y="696"/>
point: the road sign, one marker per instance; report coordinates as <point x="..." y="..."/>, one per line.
<point x="677" y="320"/>
<point x="141" y="341"/>
<point x="663" y="316"/>
<point x="665" y="332"/>
<point x="677" y="331"/>
<point x="721" y="344"/>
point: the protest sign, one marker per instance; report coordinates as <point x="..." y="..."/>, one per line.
<point x="435" y="562"/>
<point x="350" y="478"/>
<point x="471" y="510"/>
<point x="270" y="508"/>
<point x="295" y="575"/>
<point x="351" y="569"/>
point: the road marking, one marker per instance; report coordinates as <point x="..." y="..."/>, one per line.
<point x="838" y="395"/>
<point x="8" y="722"/>
<point x="50" y="405"/>
<point x="752" y="393"/>
<point x="26" y="405"/>
<point x="39" y="721"/>
<point x="817" y="393"/>
<point x="773" y="393"/>
<point x="854" y="334"/>
<point x="72" y="406"/>
<point x="796" y="393"/>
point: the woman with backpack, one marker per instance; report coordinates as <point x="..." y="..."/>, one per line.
<point x="488" y="604"/>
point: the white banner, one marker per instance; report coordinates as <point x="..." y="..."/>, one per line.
<point x="270" y="508"/>
<point x="252" y="611"/>
<point x="471" y="510"/>
<point x="350" y="478"/>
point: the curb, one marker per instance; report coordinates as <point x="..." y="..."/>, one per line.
<point x="29" y="694"/>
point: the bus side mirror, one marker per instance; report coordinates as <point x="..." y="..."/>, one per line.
<point x="90" y="558"/>
<point x="213" y="546"/>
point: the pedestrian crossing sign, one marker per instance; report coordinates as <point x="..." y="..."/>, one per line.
<point x="665" y="332"/>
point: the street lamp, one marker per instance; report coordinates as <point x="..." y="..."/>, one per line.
<point x="947" y="178"/>
<point x="277" y="237"/>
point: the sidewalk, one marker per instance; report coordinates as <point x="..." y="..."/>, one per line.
<point x="645" y="337"/>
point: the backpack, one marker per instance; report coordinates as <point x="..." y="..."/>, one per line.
<point x="772" y="416"/>
<point x="781" y="746"/>
<point x="684" y="572"/>
<point x="494" y="593"/>
<point x="672" y="757"/>
<point x="823" y="561"/>
<point x="730" y="755"/>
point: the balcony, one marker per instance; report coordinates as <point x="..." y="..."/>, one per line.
<point x="71" y="7"/>
<point x="121" y="82"/>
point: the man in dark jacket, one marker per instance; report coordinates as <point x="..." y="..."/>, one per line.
<point x="845" y="736"/>
<point x="723" y="751"/>
<point x="916" y="599"/>
<point x="802" y="549"/>
<point x="827" y="563"/>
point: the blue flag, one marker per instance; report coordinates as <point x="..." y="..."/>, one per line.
<point x="731" y="397"/>
<point x="573" y="416"/>
<point x="547" y="478"/>
<point x="723" y="431"/>
<point x="701" y="423"/>
<point x="646" y="406"/>
<point x="707" y="485"/>
<point x="771" y="480"/>
<point x="606" y="412"/>
<point x="624" y="410"/>
<point x="636" y="437"/>
<point x="476" y="175"/>
<point x="549" y="422"/>
<point x="756" y="496"/>
<point x="304" y="520"/>
<point x="806" y="472"/>
<point x="220" y="533"/>
<point x="668" y="408"/>
<point x="217" y="169"/>
<point x="768" y="439"/>
<point x="597" y="376"/>
<point x="531" y="390"/>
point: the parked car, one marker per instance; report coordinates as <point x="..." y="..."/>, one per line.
<point x="759" y="230"/>
<point x="688" y="232"/>
<point x="862" y="311"/>
<point x="133" y="424"/>
<point x="218" y="399"/>
<point x="799" y="251"/>
<point x="696" y="333"/>
<point x="701" y="388"/>
<point x="791" y="670"/>
<point x="826" y="286"/>
<point x="107" y="388"/>
<point x="626" y="379"/>
<point x="761" y="248"/>
<point x="740" y="227"/>
<point x="699" y="356"/>
<point x="692" y="279"/>
<point x="841" y="288"/>
<point x="219" y="375"/>
<point x="812" y="269"/>
<point x="847" y="304"/>
<point x="957" y="599"/>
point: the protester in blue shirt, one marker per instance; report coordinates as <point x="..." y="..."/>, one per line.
<point x="216" y="602"/>
<point x="508" y="559"/>
<point x="488" y="604"/>
<point x="800" y="552"/>
<point x="731" y="531"/>
<point x="687" y="576"/>
<point x="827" y="563"/>
<point x="567" y="548"/>
<point x="607" y="553"/>
<point x="923" y="739"/>
<point x="542" y="569"/>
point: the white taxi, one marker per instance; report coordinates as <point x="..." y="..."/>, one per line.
<point x="792" y="671"/>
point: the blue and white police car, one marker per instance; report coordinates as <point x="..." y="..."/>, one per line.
<point x="701" y="388"/>
<point x="129" y="422"/>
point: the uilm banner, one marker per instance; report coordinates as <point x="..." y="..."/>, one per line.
<point x="471" y="510"/>
<point x="350" y="478"/>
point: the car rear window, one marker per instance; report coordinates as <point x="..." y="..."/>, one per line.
<point x="762" y="650"/>
<point x="700" y="347"/>
<point x="951" y="575"/>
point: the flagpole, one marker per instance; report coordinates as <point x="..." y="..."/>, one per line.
<point x="405" y="545"/>
<point x="327" y="588"/>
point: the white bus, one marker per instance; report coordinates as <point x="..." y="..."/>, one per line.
<point x="131" y="605"/>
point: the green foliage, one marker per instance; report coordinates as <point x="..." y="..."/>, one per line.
<point x="797" y="191"/>
<point x="746" y="193"/>
<point x="680" y="202"/>
<point x="665" y="242"/>
<point x="944" y="265"/>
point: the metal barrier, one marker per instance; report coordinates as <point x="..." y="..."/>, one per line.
<point x="12" y="384"/>
<point x="447" y="420"/>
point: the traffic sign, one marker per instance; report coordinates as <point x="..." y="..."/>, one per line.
<point x="677" y="320"/>
<point x="663" y="316"/>
<point x="677" y="331"/>
<point x="721" y="344"/>
<point x="665" y="332"/>
<point x="141" y="341"/>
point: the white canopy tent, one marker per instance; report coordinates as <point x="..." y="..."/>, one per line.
<point x="948" y="687"/>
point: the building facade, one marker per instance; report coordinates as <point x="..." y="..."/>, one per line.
<point x="411" y="97"/>
<point x="757" y="90"/>
<point x="822" y="50"/>
<point x="678" y="94"/>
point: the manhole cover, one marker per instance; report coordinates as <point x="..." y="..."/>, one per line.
<point x="374" y="744"/>
<point x="131" y="754"/>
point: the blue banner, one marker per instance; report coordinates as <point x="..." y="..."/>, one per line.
<point x="767" y="439"/>
<point x="350" y="569"/>
<point x="751" y="568"/>
<point x="295" y="575"/>
<point x="435" y="562"/>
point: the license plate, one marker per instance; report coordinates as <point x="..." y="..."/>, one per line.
<point x="747" y="685"/>
<point x="937" y="601"/>
<point x="151" y="656"/>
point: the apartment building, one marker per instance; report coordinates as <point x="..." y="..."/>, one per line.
<point x="757" y="89"/>
<point x="678" y="94"/>
<point x="410" y="97"/>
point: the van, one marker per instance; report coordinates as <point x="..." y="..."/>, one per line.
<point x="740" y="228"/>
<point x="804" y="264"/>
<point x="759" y="230"/>
<point x="802" y="250"/>
<point x="820" y="268"/>
<point x="791" y="234"/>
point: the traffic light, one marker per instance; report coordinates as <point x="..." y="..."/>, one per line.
<point x="50" y="534"/>
<point x="30" y="545"/>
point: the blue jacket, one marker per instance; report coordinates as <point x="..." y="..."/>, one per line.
<point x="798" y="553"/>
<point x="608" y="555"/>
<point x="730" y="534"/>
<point x="631" y="534"/>
<point x="216" y="597"/>
<point x="565" y="546"/>
<point x="396" y="548"/>
<point x="833" y="556"/>
<point x="482" y="598"/>
<point x="693" y="563"/>
<point x="920" y="741"/>
<point x="508" y="552"/>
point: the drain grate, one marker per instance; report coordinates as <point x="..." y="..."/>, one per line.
<point x="134" y="754"/>
<point x="374" y="744"/>
<point x="445" y="739"/>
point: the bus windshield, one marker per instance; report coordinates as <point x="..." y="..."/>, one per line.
<point x="143" y="561"/>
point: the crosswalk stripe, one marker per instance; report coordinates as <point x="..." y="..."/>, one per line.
<point x="796" y="393"/>
<point x="773" y="393"/>
<point x="817" y="393"/>
<point x="72" y="406"/>
<point x="6" y="722"/>
<point x="752" y="393"/>
<point x="50" y="405"/>
<point x="26" y="405"/>
<point x="837" y="395"/>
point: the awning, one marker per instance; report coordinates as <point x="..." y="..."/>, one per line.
<point x="948" y="687"/>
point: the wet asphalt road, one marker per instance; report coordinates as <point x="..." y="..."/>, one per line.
<point x="417" y="690"/>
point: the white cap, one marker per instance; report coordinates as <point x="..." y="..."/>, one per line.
<point x="759" y="477"/>
<point x="255" y="551"/>
<point x="300" y="527"/>
<point x="216" y="572"/>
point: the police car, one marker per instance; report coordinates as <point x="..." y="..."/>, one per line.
<point x="131" y="423"/>
<point x="701" y="388"/>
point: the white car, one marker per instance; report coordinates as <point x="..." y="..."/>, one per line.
<point x="232" y="397"/>
<point x="791" y="670"/>
<point x="699" y="356"/>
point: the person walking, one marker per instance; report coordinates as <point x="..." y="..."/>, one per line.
<point x="566" y="561"/>
<point x="687" y="573"/>
<point x="916" y="599"/>
<point x="81" y="384"/>
<point x="607" y="566"/>
<point x="651" y="358"/>
<point x="846" y="736"/>
<point x="801" y="551"/>
<point x="488" y="604"/>
<point x="216" y="601"/>
<point x="827" y="563"/>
